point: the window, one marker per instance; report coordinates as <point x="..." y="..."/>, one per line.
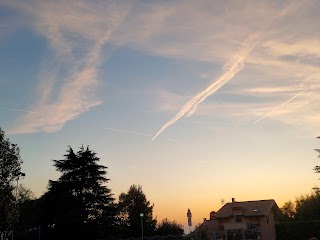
<point x="238" y="218"/>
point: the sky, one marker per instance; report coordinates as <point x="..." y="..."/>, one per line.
<point x="197" y="101"/>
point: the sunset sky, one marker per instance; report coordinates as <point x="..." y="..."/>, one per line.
<point x="196" y="101"/>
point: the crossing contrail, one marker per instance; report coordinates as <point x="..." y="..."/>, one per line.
<point x="125" y="131"/>
<point x="280" y="106"/>
<point x="22" y="110"/>
<point x="230" y="69"/>
<point x="137" y="133"/>
<point x="130" y="166"/>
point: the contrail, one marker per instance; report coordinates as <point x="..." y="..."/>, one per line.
<point x="222" y="80"/>
<point x="137" y="133"/>
<point x="22" y="110"/>
<point x="280" y="106"/>
<point x="125" y="131"/>
<point x="130" y="166"/>
<point x="231" y="68"/>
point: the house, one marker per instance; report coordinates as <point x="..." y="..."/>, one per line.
<point x="244" y="220"/>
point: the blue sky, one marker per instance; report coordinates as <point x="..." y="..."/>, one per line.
<point x="194" y="100"/>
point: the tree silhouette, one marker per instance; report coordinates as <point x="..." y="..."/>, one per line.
<point x="317" y="168"/>
<point x="78" y="203"/>
<point x="166" y="227"/>
<point x="131" y="205"/>
<point x="305" y="208"/>
<point x="308" y="207"/>
<point x="10" y="170"/>
<point x="289" y="211"/>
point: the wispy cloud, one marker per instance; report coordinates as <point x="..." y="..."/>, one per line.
<point x="77" y="32"/>
<point x="169" y="101"/>
<point x="230" y="69"/>
<point x="304" y="48"/>
<point x="202" y="31"/>
<point x="159" y="31"/>
<point x="285" y="61"/>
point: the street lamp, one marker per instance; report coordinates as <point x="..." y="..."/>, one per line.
<point x="141" y="215"/>
<point x="20" y="174"/>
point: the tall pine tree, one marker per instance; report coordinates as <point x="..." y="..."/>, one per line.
<point x="79" y="201"/>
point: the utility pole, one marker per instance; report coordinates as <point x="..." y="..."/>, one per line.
<point x="141" y="216"/>
<point x="20" y="174"/>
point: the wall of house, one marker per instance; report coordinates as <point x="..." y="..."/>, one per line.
<point x="230" y="223"/>
<point x="252" y="220"/>
<point x="267" y="227"/>
<point x="267" y="224"/>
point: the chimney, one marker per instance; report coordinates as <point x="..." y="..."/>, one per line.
<point x="233" y="200"/>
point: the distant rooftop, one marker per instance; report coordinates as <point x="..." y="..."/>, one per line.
<point x="247" y="209"/>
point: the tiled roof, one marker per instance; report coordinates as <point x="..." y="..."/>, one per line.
<point x="247" y="209"/>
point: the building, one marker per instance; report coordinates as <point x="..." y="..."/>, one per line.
<point x="244" y="220"/>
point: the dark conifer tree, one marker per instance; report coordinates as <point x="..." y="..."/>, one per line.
<point x="79" y="202"/>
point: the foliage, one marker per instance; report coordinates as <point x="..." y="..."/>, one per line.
<point x="297" y="230"/>
<point x="7" y="210"/>
<point x="131" y="205"/>
<point x="305" y="208"/>
<point x="317" y="169"/>
<point x="10" y="170"/>
<point x="308" y="207"/>
<point x="289" y="211"/>
<point x="165" y="227"/>
<point x="78" y="203"/>
<point x="29" y="214"/>
<point x="24" y="194"/>
<point x="10" y="161"/>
